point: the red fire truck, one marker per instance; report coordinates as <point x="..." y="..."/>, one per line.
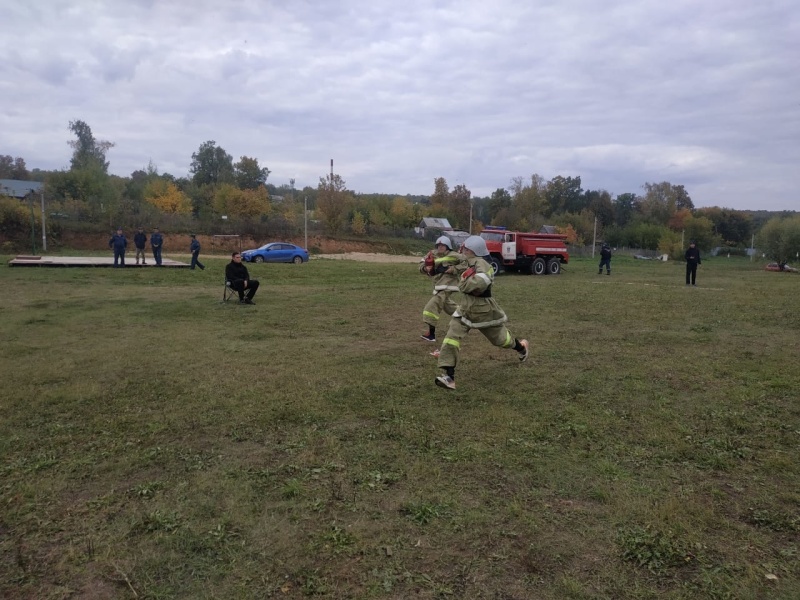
<point x="526" y="251"/>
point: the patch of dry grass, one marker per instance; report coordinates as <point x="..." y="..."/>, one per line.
<point x="156" y="443"/>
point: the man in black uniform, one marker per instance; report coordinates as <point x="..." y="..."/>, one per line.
<point x="692" y="257"/>
<point x="605" y="259"/>
<point x="237" y="274"/>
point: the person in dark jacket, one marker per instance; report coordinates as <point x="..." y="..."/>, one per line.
<point x="692" y="257"/>
<point x="156" y="242"/>
<point x="605" y="259"/>
<point x="194" y="248"/>
<point x="239" y="278"/>
<point x="139" y="240"/>
<point x="118" y="242"/>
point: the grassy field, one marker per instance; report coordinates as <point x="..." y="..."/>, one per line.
<point x="156" y="443"/>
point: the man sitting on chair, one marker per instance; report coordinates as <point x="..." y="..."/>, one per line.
<point x="237" y="274"/>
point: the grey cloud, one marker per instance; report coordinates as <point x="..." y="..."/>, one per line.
<point x="476" y="92"/>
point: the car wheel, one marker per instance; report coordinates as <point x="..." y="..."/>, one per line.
<point x="538" y="267"/>
<point x="554" y="266"/>
<point x="496" y="264"/>
<point x="258" y="259"/>
<point x="298" y="260"/>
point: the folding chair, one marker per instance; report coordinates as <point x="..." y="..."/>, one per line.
<point x="228" y="292"/>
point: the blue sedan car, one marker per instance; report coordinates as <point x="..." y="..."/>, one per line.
<point x="277" y="252"/>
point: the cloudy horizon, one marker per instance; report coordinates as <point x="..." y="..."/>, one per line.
<point x="699" y="94"/>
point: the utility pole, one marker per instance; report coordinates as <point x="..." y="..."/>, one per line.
<point x="44" y="227"/>
<point x="594" y="236"/>
<point x="305" y="219"/>
<point x="33" y="224"/>
<point x="331" y="172"/>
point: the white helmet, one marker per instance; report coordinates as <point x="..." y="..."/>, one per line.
<point x="444" y="240"/>
<point x="477" y="244"/>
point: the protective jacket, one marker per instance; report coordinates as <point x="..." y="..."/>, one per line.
<point x="443" y="281"/>
<point x="605" y="253"/>
<point x="235" y="272"/>
<point x="156" y="240"/>
<point x="476" y="307"/>
<point x="195" y="246"/>
<point x="118" y="242"/>
<point x="140" y="239"/>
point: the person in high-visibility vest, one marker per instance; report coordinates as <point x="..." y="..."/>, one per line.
<point x="440" y="266"/>
<point x="476" y="310"/>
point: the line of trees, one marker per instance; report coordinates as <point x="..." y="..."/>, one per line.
<point x="659" y="218"/>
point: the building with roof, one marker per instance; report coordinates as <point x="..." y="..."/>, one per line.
<point x="16" y="188"/>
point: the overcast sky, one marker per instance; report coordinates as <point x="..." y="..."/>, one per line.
<point x="619" y="92"/>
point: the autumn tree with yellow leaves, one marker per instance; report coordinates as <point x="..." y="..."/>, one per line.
<point x="230" y="200"/>
<point x="167" y="198"/>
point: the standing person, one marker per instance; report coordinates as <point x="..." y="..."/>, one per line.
<point x="156" y="242"/>
<point x="692" y="257"/>
<point x="605" y="259"/>
<point x="139" y="240"/>
<point x="194" y="248"/>
<point x="237" y="274"/>
<point x="476" y="310"/>
<point x="440" y="267"/>
<point x="118" y="242"/>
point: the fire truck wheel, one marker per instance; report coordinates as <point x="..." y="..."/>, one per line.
<point x="495" y="262"/>
<point x="554" y="266"/>
<point x="538" y="267"/>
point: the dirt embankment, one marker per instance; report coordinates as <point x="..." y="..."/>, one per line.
<point x="179" y="243"/>
<point x="320" y="246"/>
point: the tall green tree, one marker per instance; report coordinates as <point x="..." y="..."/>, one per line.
<point x="88" y="152"/>
<point x="459" y="205"/>
<point x="701" y="230"/>
<point x="529" y="206"/>
<point x="599" y="203"/>
<point x="734" y="226"/>
<point x="779" y="239"/>
<point x="625" y="207"/>
<point x="441" y="192"/>
<point x="662" y="200"/>
<point x="211" y="165"/>
<point x="87" y="181"/>
<point x="499" y="200"/>
<point x="249" y="175"/>
<point x="333" y="202"/>
<point x="564" y="194"/>
<point x="13" y="168"/>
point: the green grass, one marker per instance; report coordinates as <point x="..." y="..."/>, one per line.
<point x="156" y="443"/>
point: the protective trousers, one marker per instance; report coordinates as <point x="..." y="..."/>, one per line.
<point x="498" y="335"/>
<point x="439" y="302"/>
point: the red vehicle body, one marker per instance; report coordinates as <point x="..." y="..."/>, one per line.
<point x="526" y="251"/>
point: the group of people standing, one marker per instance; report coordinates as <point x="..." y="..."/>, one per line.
<point x="119" y="243"/>
<point x="691" y="256"/>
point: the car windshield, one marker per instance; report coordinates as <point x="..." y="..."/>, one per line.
<point x="492" y="237"/>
